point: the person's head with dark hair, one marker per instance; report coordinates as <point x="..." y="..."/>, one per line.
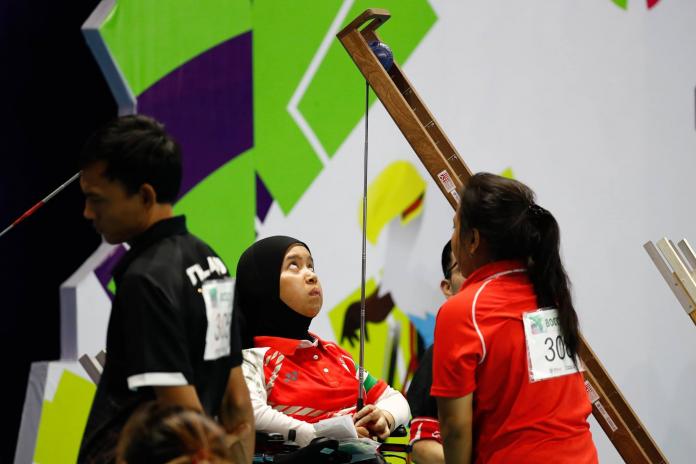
<point x="452" y="277"/>
<point x="498" y="220"/>
<point x="277" y="292"/>
<point x="131" y="174"/>
<point x="159" y="433"/>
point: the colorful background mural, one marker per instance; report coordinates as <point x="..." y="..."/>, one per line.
<point x="260" y="96"/>
<point x="624" y="3"/>
<point x="590" y="102"/>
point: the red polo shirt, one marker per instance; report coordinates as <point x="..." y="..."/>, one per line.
<point x="480" y="348"/>
<point x="313" y="381"/>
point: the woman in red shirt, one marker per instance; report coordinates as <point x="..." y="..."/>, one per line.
<point x="505" y="371"/>
<point x="296" y="380"/>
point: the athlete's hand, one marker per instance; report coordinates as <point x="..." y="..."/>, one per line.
<point x="363" y="432"/>
<point x="376" y="421"/>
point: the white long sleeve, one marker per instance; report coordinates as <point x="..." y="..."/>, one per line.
<point x="266" y="418"/>
<point x="394" y="402"/>
<point x="269" y="419"/>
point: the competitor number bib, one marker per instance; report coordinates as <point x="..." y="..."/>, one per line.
<point x="218" y="295"/>
<point x="546" y="349"/>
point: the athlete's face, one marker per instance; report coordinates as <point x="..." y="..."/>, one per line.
<point x="451" y="286"/>
<point x="115" y="214"/>
<point x="465" y="247"/>
<point x="455" y="238"/>
<point x="299" y="285"/>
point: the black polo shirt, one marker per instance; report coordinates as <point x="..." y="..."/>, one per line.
<point x="170" y="325"/>
<point x="418" y="395"/>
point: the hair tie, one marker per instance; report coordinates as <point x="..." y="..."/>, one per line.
<point x="536" y="210"/>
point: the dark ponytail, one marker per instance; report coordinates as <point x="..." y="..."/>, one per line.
<point x="515" y="227"/>
<point x="548" y="275"/>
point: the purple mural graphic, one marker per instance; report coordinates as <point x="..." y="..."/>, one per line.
<point x="263" y="199"/>
<point x="207" y="104"/>
<point x="106" y="268"/>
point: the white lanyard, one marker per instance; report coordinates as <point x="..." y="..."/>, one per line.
<point x="218" y="295"/>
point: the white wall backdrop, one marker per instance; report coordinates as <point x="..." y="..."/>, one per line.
<point x="592" y="106"/>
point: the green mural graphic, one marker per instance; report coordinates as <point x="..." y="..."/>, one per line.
<point x="624" y="3"/>
<point x="285" y="41"/>
<point x="334" y="103"/>
<point x="150" y="38"/>
<point x="63" y="420"/>
<point x="286" y="38"/>
<point x="222" y="208"/>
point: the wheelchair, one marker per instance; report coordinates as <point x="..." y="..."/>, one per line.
<point x="273" y="448"/>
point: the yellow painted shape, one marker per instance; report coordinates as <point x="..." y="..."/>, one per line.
<point x="63" y="420"/>
<point x="399" y="458"/>
<point x="508" y="173"/>
<point x="375" y="348"/>
<point x="394" y="190"/>
<point x="378" y="345"/>
<point x="336" y="318"/>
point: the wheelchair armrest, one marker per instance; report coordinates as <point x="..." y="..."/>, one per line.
<point x="400" y="431"/>
<point x="269" y="442"/>
<point x="320" y="450"/>
<point x="269" y="437"/>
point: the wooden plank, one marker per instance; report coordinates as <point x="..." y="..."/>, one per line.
<point x="91" y="367"/>
<point x="683" y="274"/>
<point x="101" y="357"/>
<point x="616" y="417"/>
<point x="670" y="277"/>
<point x="412" y="117"/>
<point x="670" y="254"/>
<point x="688" y="252"/>
<point x="450" y="173"/>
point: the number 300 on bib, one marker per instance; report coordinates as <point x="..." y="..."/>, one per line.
<point x="546" y="349"/>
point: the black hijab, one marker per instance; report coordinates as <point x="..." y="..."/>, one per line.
<point x="257" y="293"/>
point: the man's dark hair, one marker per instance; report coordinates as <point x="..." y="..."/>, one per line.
<point x="446" y="260"/>
<point x="137" y="150"/>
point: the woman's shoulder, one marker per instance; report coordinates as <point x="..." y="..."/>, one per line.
<point x="328" y="344"/>
<point x="255" y="356"/>
<point x="460" y="304"/>
<point x="473" y="302"/>
<point x="334" y="348"/>
<point x="490" y="294"/>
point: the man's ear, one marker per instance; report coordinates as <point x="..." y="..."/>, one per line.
<point x="148" y="195"/>
<point x="446" y="288"/>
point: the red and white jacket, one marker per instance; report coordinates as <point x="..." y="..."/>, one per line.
<point x="424" y="428"/>
<point x="295" y="383"/>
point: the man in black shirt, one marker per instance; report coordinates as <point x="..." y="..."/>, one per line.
<point x="172" y="334"/>
<point x="425" y="428"/>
